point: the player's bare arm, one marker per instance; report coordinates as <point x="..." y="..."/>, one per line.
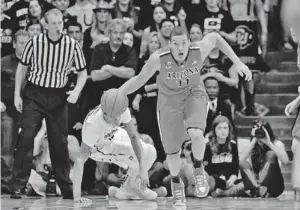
<point x="138" y="150"/>
<point x="81" y="157"/>
<point x="214" y="40"/>
<point x="148" y="70"/>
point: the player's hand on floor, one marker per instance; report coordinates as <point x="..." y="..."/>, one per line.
<point x="83" y="200"/>
<point x="243" y="70"/>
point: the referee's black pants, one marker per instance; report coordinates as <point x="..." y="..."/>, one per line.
<point x="51" y="104"/>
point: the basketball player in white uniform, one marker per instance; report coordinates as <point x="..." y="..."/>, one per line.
<point x="104" y="140"/>
<point x="291" y="17"/>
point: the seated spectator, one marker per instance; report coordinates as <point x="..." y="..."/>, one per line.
<point x="124" y="9"/>
<point x="8" y="29"/>
<point x="74" y="30"/>
<point x="83" y="10"/>
<point x="263" y="177"/>
<point x="98" y="33"/>
<point x="112" y="63"/>
<point x="144" y="103"/>
<point x="222" y="160"/>
<point x="34" y="27"/>
<point x="217" y="106"/>
<point x="128" y="39"/>
<point x="166" y="27"/>
<point x="117" y="174"/>
<point x="195" y="33"/>
<point x="10" y="117"/>
<point x="158" y="15"/>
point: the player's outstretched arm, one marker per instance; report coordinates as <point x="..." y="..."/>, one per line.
<point x="138" y="150"/>
<point x="81" y="157"/>
<point x="214" y="40"/>
<point x="148" y="70"/>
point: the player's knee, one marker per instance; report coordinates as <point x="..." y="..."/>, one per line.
<point x="150" y="152"/>
<point x="196" y="134"/>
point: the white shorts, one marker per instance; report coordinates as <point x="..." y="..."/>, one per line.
<point x="121" y="153"/>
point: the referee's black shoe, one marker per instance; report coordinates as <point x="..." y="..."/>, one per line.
<point x="18" y="194"/>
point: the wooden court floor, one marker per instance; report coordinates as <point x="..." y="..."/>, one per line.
<point x="285" y="202"/>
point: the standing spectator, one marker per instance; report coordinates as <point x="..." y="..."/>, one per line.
<point x="248" y="15"/>
<point x="98" y="33"/>
<point x="74" y="30"/>
<point x="263" y="177"/>
<point x="222" y="160"/>
<point x="112" y="63"/>
<point x="159" y="14"/>
<point x="145" y="101"/>
<point x="9" y="115"/>
<point x="8" y="29"/>
<point x="83" y="10"/>
<point x="34" y="27"/>
<point x="213" y="18"/>
<point x="45" y="97"/>
<point x="19" y="11"/>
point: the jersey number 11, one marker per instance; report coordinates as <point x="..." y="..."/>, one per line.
<point x="183" y="82"/>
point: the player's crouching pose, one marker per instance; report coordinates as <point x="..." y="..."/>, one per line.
<point x="100" y="142"/>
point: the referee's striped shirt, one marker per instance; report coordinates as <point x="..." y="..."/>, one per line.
<point x="50" y="61"/>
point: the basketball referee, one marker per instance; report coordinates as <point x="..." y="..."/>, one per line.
<point x="45" y="64"/>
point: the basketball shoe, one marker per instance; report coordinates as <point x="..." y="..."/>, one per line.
<point x="178" y="192"/>
<point x="201" y="183"/>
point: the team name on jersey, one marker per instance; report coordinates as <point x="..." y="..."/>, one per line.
<point x="183" y="74"/>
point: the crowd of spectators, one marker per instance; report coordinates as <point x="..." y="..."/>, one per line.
<point x="117" y="38"/>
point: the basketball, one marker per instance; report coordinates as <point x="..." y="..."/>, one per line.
<point x="113" y="103"/>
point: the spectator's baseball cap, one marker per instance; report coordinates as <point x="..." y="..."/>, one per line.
<point x="104" y="4"/>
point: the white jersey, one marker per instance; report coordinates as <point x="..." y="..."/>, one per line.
<point x="96" y="132"/>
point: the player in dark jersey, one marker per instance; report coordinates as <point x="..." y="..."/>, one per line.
<point x="291" y="17"/>
<point x="182" y="100"/>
